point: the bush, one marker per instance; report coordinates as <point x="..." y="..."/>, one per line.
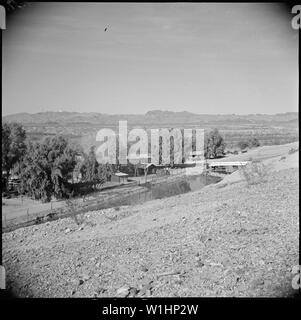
<point x="46" y="168"/>
<point x="243" y="145"/>
<point x="251" y="143"/>
<point x="214" y="145"/>
<point x="72" y="207"/>
<point x="254" y="173"/>
<point x="293" y="150"/>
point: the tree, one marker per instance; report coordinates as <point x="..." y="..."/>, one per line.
<point x="13" y="146"/>
<point x="13" y="5"/>
<point x="91" y="170"/>
<point x="214" y="145"/>
<point x="251" y="143"/>
<point x="46" y="168"/>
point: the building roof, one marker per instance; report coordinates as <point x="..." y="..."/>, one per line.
<point x="146" y="165"/>
<point x="121" y="174"/>
<point x="140" y="156"/>
<point x="228" y="163"/>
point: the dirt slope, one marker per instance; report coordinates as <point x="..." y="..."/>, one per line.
<point x="231" y="241"/>
<point x="281" y="162"/>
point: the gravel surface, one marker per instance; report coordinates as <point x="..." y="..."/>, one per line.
<point x="237" y="240"/>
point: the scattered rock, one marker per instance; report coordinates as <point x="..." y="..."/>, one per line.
<point x="123" y="291"/>
<point x="133" y="292"/>
<point x="67" y="230"/>
<point x="257" y="283"/>
<point x="146" y="288"/>
<point x="200" y="264"/>
<point x="99" y="291"/>
<point x="86" y="277"/>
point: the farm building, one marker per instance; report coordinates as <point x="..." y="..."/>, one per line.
<point x="120" y="177"/>
<point x="142" y="163"/>
<point x="150" y="167"/>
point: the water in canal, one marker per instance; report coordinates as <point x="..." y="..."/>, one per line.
<point x="163" y="190"/>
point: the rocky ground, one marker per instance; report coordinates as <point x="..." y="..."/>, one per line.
<point x="235" y="240"/>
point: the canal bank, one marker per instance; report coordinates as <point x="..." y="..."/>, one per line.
<point x="124" y="195"/>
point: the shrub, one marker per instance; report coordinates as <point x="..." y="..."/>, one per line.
<point x="243" y="145"/>
<point x="253" y="143"/>
<point x="72" y="206"/>
<point x="293" y="150"/>
<point x="254" y="173"/>
<point x="214" y="145"/>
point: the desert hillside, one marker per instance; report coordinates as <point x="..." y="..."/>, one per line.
<point x="237" y="240"/>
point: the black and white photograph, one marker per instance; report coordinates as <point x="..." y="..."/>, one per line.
<point x="150" y="150"/>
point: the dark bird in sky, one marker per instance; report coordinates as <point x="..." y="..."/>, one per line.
<point x="106" y="29"/>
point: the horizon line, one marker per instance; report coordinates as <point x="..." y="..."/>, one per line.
<point x="154" y="110"/>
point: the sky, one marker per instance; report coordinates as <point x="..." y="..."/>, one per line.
<point x="198" y="57"/>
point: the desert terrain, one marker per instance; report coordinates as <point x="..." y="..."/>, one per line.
<point x="224" y="240"/>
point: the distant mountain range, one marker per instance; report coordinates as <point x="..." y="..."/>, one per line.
<point x="151" y="117"/>
<point x="82" y="127"/>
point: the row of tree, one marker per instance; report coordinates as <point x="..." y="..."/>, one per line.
<point x="48" y="168"/>
<point x="55" y="167"/>
<point x="214" y="146"/>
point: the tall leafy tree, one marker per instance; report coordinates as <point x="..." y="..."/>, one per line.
<point x="91" y="170"/>
<point x="47" y="167"/>
<point x="214" y="145"/>
<point x="12" y="5"/>
<point x="13" y="146"/>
